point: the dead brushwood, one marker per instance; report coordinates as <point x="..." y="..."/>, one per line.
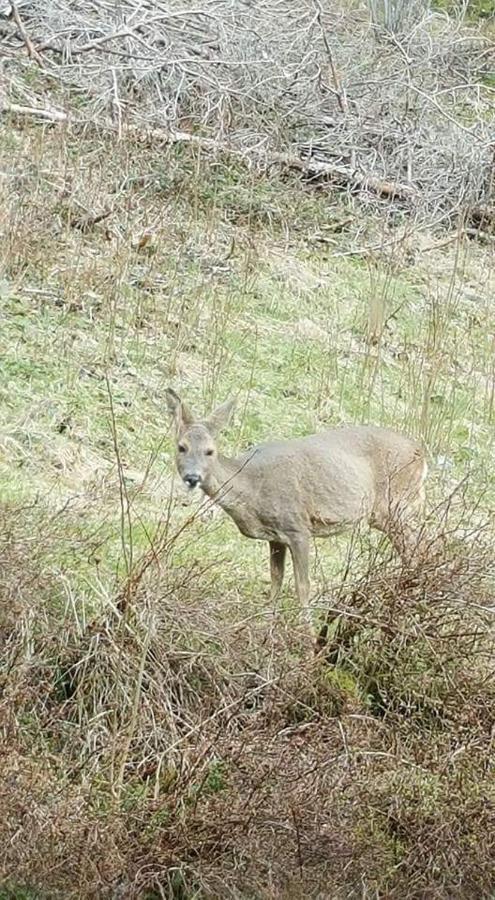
<point x="179" y="745"/>
<point x="396" y="105"/>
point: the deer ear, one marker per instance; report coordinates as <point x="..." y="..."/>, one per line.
<point x="220" y="417"/>
<point x="178" y="411"/>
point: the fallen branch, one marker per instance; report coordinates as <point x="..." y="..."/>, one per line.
<point x="31" y="49"/>
<point x="479" y="235"/>
<point x="312" y="168"/>
<point x="383" y="187"/>
<point x="40" y="112"/>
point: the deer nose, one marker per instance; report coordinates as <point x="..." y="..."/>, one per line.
<point x="192" y="480"/>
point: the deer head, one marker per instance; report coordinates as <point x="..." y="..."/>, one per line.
<point x="196" y="450"/>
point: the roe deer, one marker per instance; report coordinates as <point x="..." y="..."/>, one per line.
<point x="287" y="491"/>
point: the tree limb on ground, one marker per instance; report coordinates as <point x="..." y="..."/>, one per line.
<point x="311" y="168"/>
<point x="31" y="49"/>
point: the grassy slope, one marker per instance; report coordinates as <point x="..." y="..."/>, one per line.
<point x="217" y="282"/>
<point x="230" y="295"/>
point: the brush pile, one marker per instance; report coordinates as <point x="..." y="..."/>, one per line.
<point x="396" y="112"/>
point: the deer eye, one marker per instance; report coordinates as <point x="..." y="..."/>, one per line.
<point x="209" y="452"/>
<point x="181" y="448"/>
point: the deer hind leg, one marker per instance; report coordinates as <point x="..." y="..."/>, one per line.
<point x="405" y="537"/>
<point x="400" y="528"/>
<point x="299" y="549"/>
<point x="399" y="511"/>
<point x="277" y="566"/>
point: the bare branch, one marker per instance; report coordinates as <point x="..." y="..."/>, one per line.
<point x="32" y="52"/>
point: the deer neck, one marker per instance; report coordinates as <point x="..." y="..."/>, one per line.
<point x="226" y="481"/>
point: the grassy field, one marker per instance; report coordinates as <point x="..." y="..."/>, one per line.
<point x="162" y="735"/>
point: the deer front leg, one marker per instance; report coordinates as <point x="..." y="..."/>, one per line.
<point x="299" y="548"/>
<point x="277" y="565"/>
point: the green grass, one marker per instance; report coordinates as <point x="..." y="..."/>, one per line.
<point x="218" y="304"/>
<point x="20" y="893"/>
<point x="476" y="9"/>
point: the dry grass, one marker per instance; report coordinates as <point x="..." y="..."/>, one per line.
<point x="179" y="750"/>
<point x="161" y="734"/>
